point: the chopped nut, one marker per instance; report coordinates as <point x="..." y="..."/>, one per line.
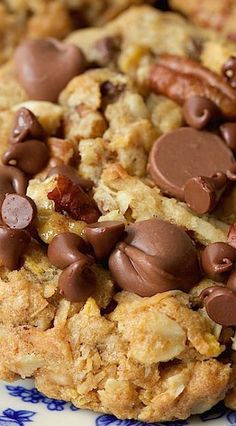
<point x="70" y="198"/>
<point x="180" y="78"/>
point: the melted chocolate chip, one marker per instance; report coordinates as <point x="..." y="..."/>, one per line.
<point x="155" y="256"/>
<point x="77" y="282"/>
<point x="103" y="237"/>
<point x="70" y="172"/>
<point x="18" y="212"/>
<point x="45" y="66"/>
<point x="13" y="244"/>
<point x="67" y="248"/>
<point x="30" y="157"/>
<point x="12" y="180"/>
<point x="26" y="126"/>
<point x="184" y="153"/>
<point x="218" y="260"/>
<point x="220" y="304"/>
<point x="229" y="71"/>
<point x="228" y="132"/>
<point x="198" y="111"/>
<point x="202" y="193"/>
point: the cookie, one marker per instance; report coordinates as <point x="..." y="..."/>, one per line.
<point x="27" y="19"/>
<point x="218" y="15"/>
<point x="124" y="264"/>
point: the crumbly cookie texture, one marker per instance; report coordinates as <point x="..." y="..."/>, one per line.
<point x="151" y="358"/>
<point x="217" y="14"/>
<point x="123" y="354"/>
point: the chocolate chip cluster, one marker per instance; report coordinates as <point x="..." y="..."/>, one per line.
<point x="71" y="253"/>
<point x="192" y="164"/>
<point x="27" y="155"/>
<point x="218" y="262"/>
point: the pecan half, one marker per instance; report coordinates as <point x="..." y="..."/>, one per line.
<point x="70" y="198"/>
<point x="180" y="78"/>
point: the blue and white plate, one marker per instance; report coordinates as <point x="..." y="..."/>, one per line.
<point x="21" y="403"/>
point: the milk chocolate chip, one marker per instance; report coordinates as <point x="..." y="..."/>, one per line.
<point x="13" y="244"/>
<point x="26" y="126"/>
<point x="218" y="260"/>
<point x="186" y="153"/>
<point x="70" y="172"/>
<point x="220" y="304"/>
<point x="154" y="257"/>
<point x="77" y="282"/>
<point x="30" y="157"/>
<point x="228" y="132"/>
<point x="12" y="180"/>
<point x="229" y="71"/>
<point x="45" y="66"/>
<point x="67" y="248"/>
<point x="18" y="212"/>
<point x="231" y="283"/>
<point x="202" y="194"/>
<point x="103" y="236"/>
<point x="198" y="111"/>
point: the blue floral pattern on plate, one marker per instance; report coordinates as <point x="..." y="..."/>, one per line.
<point x="108" y="420"/>
<point x="34" y="396"/>
<point x="10" y="417"/>
<point x="217" y="416"/>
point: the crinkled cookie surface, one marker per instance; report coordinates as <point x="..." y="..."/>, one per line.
<point x="149" y="358"/>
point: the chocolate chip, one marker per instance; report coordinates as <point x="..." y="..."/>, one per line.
<point x="109" y="308"/>
<point x="220" y="305"/>
<point x="12" y="180"/>
<point x="26" y="126"/>
<point x="198" y="111"/>
<point x="231" y="173"/>
<point x="202" y="194"/>
<point x="30" y="157"/>
<point x="13" y="244"/>
<point x="228" y="132"/>
<point x="103" y="236"/>
<point x="110" y="92"/>
<point x="18" y="212"/>
<point x="207" y="291"/>
<point x="218" y="260"/>
<point x="77" y="282"/>
<point x="45" y="66"/>
<point x="67" y="248"/>
<point x="184" y="153"/>
<point x="229" y="71"/>
<point x="154" y="257"/>
<point x="108" y="48"/>
<point x="231" y="283"/>
<point x="68" y="171"/>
